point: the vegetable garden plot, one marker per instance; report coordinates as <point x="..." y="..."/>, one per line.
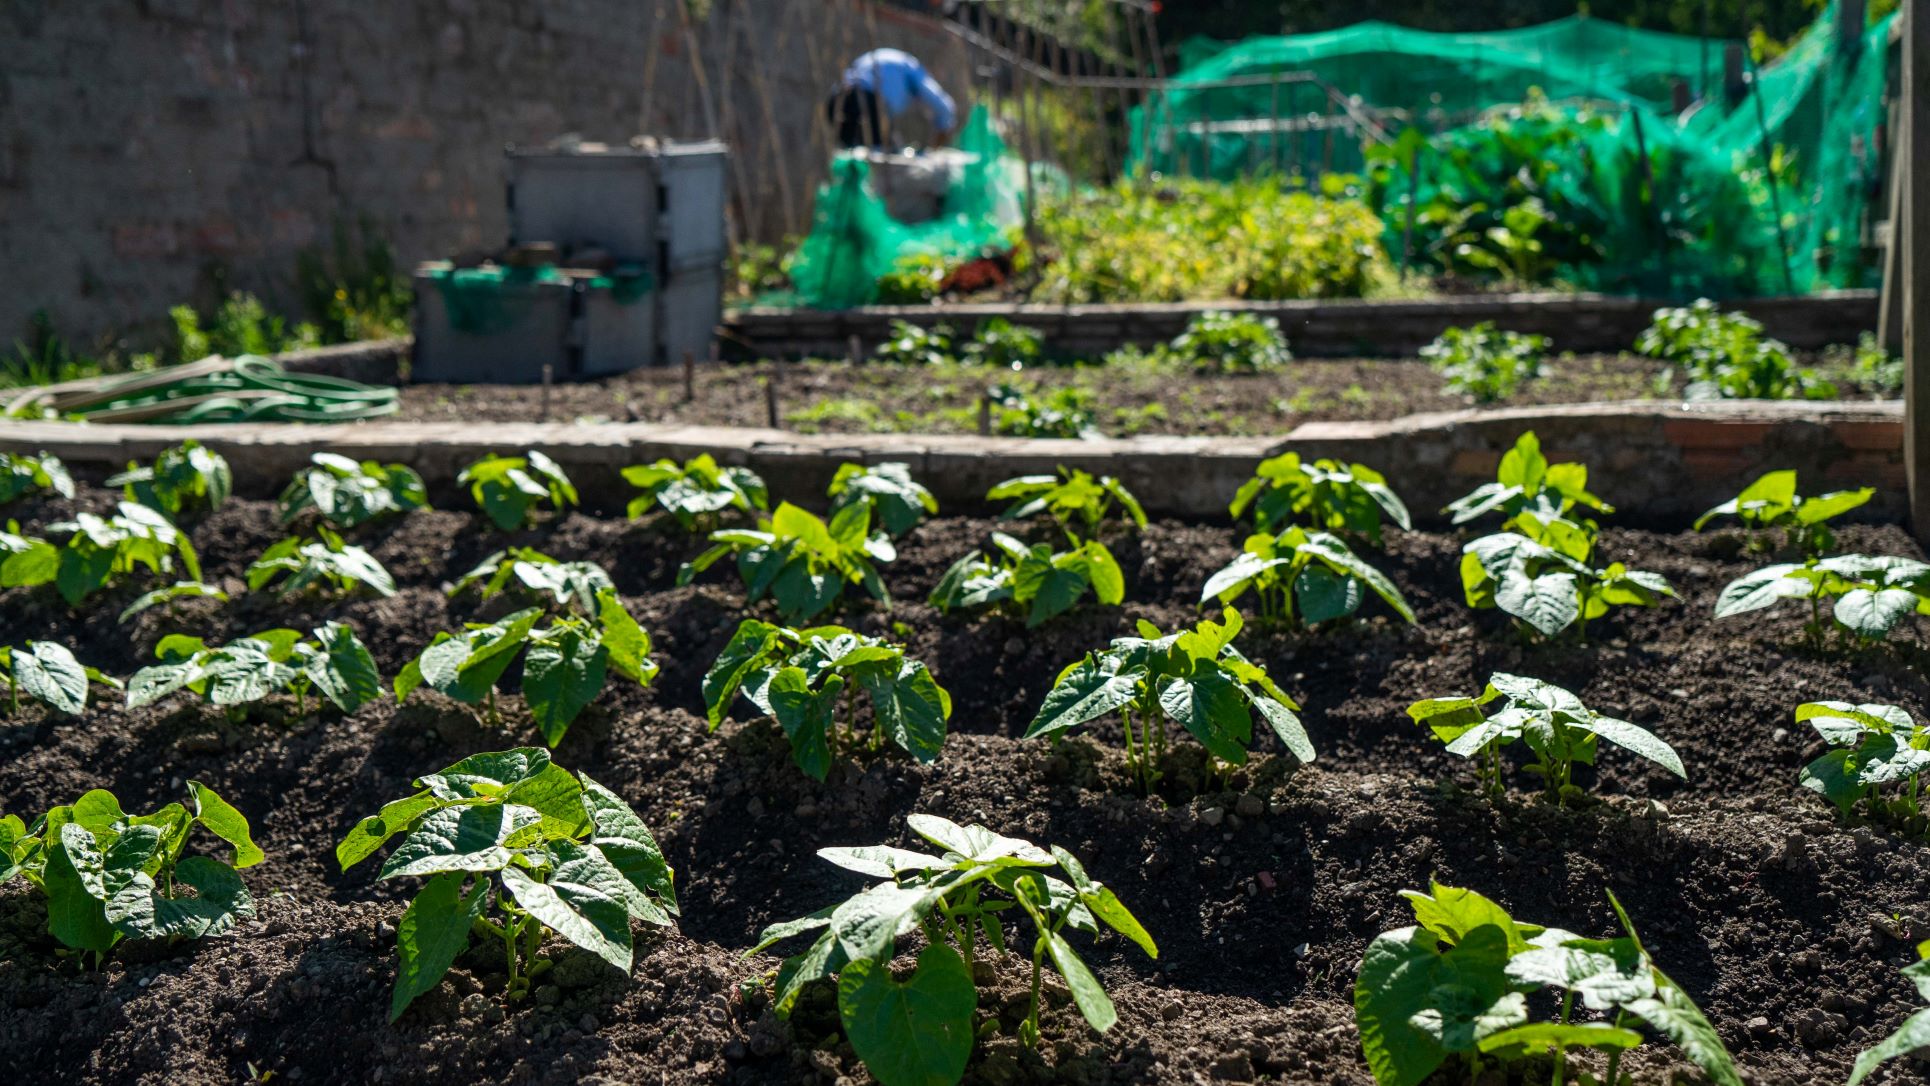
<point x="1262" y="887"/>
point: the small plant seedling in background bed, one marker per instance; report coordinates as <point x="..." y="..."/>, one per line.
<point x="1559" y="730"/>
<point x="47" y="673"/>
<point x="564" y="667"/>
<point x="1322" y="494"/>
<point x="907" y="344"/>
<point x="1527" y="481"/>
<point x="560" y="584"/>
<point x="98" y="552"/>
<point x="920" y="1031"/>
<point x="322" y="561"/>
<point x="1079" y="503"/>
<point x="1878" y="758"/>
<point x="1912" y="1036"/>
<point x="1224" y="342"/>
<point x="1302" y="578"/>
<point x="183" y="479"/>
<point x="912" y="279"/>
<point x="511" y="489"/>
<point x="799" y="561"/>
<point x="1037" y="580"/>
<point x="179" y="590"/>
<point x="898" y="501"/>
<point x="695" y="491"/>
<point x="333" y="662"/>
<point x="1542" y="573"/>
<point x="1485" y="364"/>
<point x="1455" y="987"/>
<point x="513" y="846"/>
<point x="1065" y="412"/>
<point x="999" y="342"/>
<point x="1195" y="678"/>
<point x="348" y="494"/>
<point x="1772" y="502"/>
<point x="1870" y="594"/>
<point x="22" y="474"/>
<point x="109" y="875"/>
<point x="1875" y="368"/>
<point x="795" y="677"/>
<point x="1726" y="356"/>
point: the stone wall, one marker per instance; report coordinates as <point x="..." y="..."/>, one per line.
<point x="151" y="152"/>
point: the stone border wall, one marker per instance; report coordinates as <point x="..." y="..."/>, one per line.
<point x="1661" y="463"/>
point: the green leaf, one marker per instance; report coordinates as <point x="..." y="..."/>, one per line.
<point x="489" y="774"/>
<point x="1874" y="614"/>
<point x="976" y="843"/>
<point x="1673" y="1014"/>
<point x="1087" y="992"/>
<point x="1214" y="708"/>
<point x="1911" y="1036"/>
<point x="370" y="834"/>
<point x="807" y="717"/>
<point x="1763" y="588"/>
<point x="748" y="647"/>
<point x="881" y="861"/>
<point x="1634" y="737"/>
<point x="459" y="839"/>
<point x="224" y="822"/>
<point x="628" y="844"/>
<point x="1454" y="914"/>
<point x="1538" y="1038"/>
<point x="918" y="1033"/>
<point x="585" y="901"/>
<point x="1285" y="724"/>
<point x="561" y="677"/>
<point x="1606" y="973"/>
<point x="433" y="931"/>
<point x="1085" y="691"/>
<point x="74" y="882"/>
<point x="1320" y="595"/>
<point x="629" y="645"/>
<point x="1104" y="904"/>
<point x="1415" y="1005"/>
<point x="868" y="924"/>
<point x="343" y="670"/>
<point x="49" y="674"/>
<point x="911" y="708"/>
<point x="1550" y="603"/>
<point x="140" y="908"/>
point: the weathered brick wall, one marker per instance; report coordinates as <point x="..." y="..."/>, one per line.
<point x="146" y="148"/>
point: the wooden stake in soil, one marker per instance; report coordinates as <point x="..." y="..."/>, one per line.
<point x="1913" y="233"/>
<point x="984" y="414"/>
<point x="690" y="376"/>
<point x="549" y="376"/>
<point x="854" y="349"/>
<point x="770" y="401"/>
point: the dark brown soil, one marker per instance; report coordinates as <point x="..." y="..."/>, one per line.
<point x="1128" y="397"/>
<point x="1786" y="924"/>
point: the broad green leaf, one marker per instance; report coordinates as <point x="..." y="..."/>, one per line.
<point x="1086" y="691"/>
<point x="224" y="822"/>
<point x="628" y="844"/>
<point x="747" y="648"/>
<point x="1321" y="595"/>
<point x="976" y="843"/>
<point x="1634" y="737"/>
<point x="1549" y="603"/>
<point x="1763" y="588"/>
<point x="1087" y="992"/>
<point x="1911" y="1036"/>
<point x="881" y="861"/>
<point x="49" y="674"/>
<point x="1538" y="1038"/>
<point x="576" y="906"/>
<point x="343" y="670"/>
<point x="825" y="958"/>
<point x="459" y="839"/>
<point x="629" y="645"/>
<point x="433" y="931"/>
<point x="1215" y="709"/>
<point x="76" y="891"/>
<point x="1407" y="982"/>
<point x="869" y="923"/>
<point x="1454" y="914"/>
<point x="370" y="834"/>
<point x="1285" y="724"/>
<point x="1673" y="1014"/>
<point x="1874" y="614"/>
<point x="778" y="932"/>
<point x="140" y="908"/>
<point x="561" y="677"/>
<point x="918" y="1033"/>
<point x="807" y="717"/>
<point x="488" y="774"/>
<point x="1606" y="973"/>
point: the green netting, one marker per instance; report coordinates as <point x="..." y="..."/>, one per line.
<point x="494" y="298"/>
<point x="854" y="240"/>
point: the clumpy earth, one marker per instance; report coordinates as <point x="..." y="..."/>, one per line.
<point x="1787" y="924"/>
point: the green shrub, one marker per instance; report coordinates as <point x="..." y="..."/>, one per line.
<point x="999" y="342"/>
<point x="1483" y="363"/>
<point x="1228" y="342"/>
<point x="1725" y="356"/>
<point x="908" y="344"/>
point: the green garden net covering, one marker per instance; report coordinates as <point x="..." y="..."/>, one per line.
<point x="495" y="298"/>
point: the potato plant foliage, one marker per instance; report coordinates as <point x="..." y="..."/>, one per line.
<point x="1194" y="678"/>
<point x="557" y="583"/>
<point x="1542" y="573"/>
<point x="1038" y="581"/>
<point x="799" y="677"/>
<point x="696" y="491"/>
<point x="898" y="500"/>
<point x="920" y="1031"/>
<point x="510" y="490"/>
<point x="513" y="845"/>
<point x="183" y="479"/>
<point x="1869" y="595"/>
<point x="349" y="494"/>
<point x="98" y="552"/>
<point x="47" y="672"/>
<point x="1079" y="503"/>
<point x="1219" y="341"/>
<point x="332" y="661"/>
<point x="1912" y="1036"/>
<point x="1455" y="987"/>
<point x="1527" y="481"/>
<point x="1877" y="758"/>
<point x="323" y="562"/>
<point x="1302" y="578"/>
<point x="1323" y="494"/>
<point x="22" y="474"/>
<point x="1558" y="730"/>
<point x="1484" y="363"/>
<point x="799" y="561"/>
<point x="108" y="875"/>
<point x="565" y="663"/>
<point x="1772" y="502"/>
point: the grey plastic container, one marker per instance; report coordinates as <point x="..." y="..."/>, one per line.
<point x="691" y="305"/>
<point x="659" y="204"/>
<point x="512" y="354"/>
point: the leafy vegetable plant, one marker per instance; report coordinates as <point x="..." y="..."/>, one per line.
<point x="921" y="1030"/>
<point x="999" y="342"/>
<point x="796" y="677"/>
<point x="1455" y="986"/>
<point x="1726" y="356"/>
<point x="1073" y="498"/>
<point x="1772" y="502"/>
<point x="1542" y="573"/>
<point x="1527" y="481"/>
<point x="565" y="664"/>
<point x="1038" y="580"/>
<point x="907" y="344"/>
<point x="1912" y="1036"/>
<point x="1302" y="578"/>
<point x="1195" y="678"/>
<point x="179" y="590"/>
<point x="98" y="551"/>
<point x="333" y="662"/>
<point x="510" y="489"/>
<point x="1228" y="342"/>
<point x="1560" y="732"/>
<point x="799" y="561"/>
<point x="109" y="875"/>
<point x="22" y="474"/>
<point x="695" y="491"/>
<point x="1065" y="412"/>
<point x="322" y="561"/>
<point x="181" y="479"/>
<point x="1324" y="494"/>
<point x="1877" y="758"/>
<point x="348" y="494"/>
<point x="513" y="846"/>
<point x="1484" y="363"/>
<point x="562" y="584"/>
<point x="48" y="673"/>
<point x="899" y="501"/>
<point x="1870" y="594"/>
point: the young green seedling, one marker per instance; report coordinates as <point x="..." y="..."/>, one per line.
<point x="1541" y="573"/>
<point x="1219" y="341"/>
<point x="564" y="666"/>
<point x="696" y="491"/>
<point x="348" y="494"/>
<point x="1878" y="759"/>
<point x="179" y="590"/>
<point x="22" y="474"/>
<point x="98" y="552"/>
<point x="108" y="875"/>
<point x="899" y="501"/>
<point x="1323" y="494"/>
<point x="1870" y="594"/>
<point x="511" y="489"/>
<point x="1560" y="732"/>
<point x="799" y="561"/>
<point x="1455" y="987"/>
<point x="1483" y="363"/>
<point x="1037" y="580"/>
<point x="333" y="662"/>
<point x="1074" y="499"/>
<point x="180" y="480"/>
<point x="47" y="673"/>
<point x="322" y="561"/>
<point x="1195" y="678"/>
<point x="796" y="677"/>
<point x="513" y="846"/>
<point x="1527" y="481"/>
<point x="1912" y="1036"/>
<point x="1772" y="502"/>
<point x="1726" y="356"/>
<point x="1302" y="578"/>
<point x="920" y="1031"/>
<point x="560" y="584"/>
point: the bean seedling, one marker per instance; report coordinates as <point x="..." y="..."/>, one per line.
<point x="324" y="560"/>
<point x="1072" y="498"/>
<point x="1527" y="481"/>
<point x="333" y="662"/>
<point x="1870" y="594"/>
<point x="1912" y="1036"/>
<point x="799" y="561"/>
<point x="1542" y="574"/>
<point x="48" y="673"/>
<point x="182" y="479"/>
<point x="1878" y="758"/>
<point x="348" y="494"/>
<point x="899" y="501"/>
<point x="22" y="474"/>
<point x="1037" y="580"/>
<point x="558" y="583"/>
<point x="1322" y="494"/>
<point x="99" y="551"/>
<point x="1302" y="578"/>
<point x="696" y="491"/>
<point x="510" y="489"/>
<point x="1772" y="502"/>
